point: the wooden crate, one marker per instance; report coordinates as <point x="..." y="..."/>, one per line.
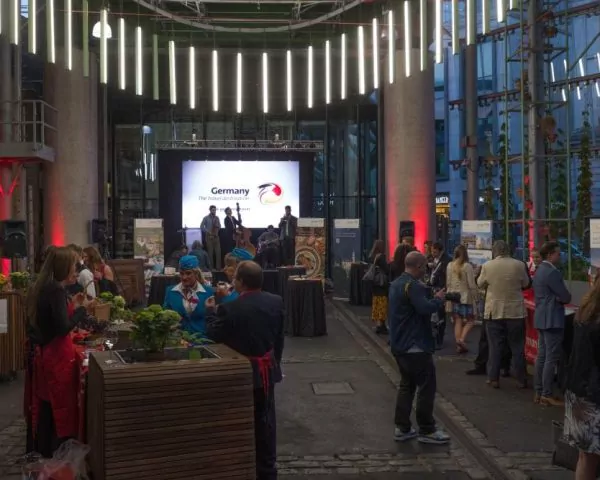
<point x="12" y="343"/>
<point x="129" y="277"/>
<point x="176" y="419"/>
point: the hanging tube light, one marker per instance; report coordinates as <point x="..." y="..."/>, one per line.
<point x="172" y="73"/>
<point x="423" y="37"/>
<point x="439" y="57"/>
<point x="68" y="34"/>
<point x="407" y="38"/>
<point x="85" y="33"/>
<point x="455" y="28"/>
<point x="103" y="46"/>
<point x="239" y="83"/>
<point x="500" y="11"/>
<point x="375" y="41"/>
<point x="343" y="72"/>
<point x="155" y="84"/>
<point x="361" y="60"/>
<point x="192" y="76"/>
<point x="265" y="81"/>
<point x="471" y="22"/>
<point x="215" y="80"/>
<point x="310" y="78"/>
<point x="50" y="33"/>
<point x="391" y="47"/>
<point x="32" y="29"/>
<point x="122" y="55"/>
<point x="485" y="17"/>
<point x="139" y="59"/>
<point x="288" y="80"/>
<point x="598" y="81"/>
<point x="327" y="72"/>
<point x="15" y="23"/>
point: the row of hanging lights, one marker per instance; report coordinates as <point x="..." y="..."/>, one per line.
<point x="103" y="31"/>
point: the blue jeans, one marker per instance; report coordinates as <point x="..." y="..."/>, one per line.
<point x="549" y="353"/>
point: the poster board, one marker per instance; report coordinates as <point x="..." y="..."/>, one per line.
<point x="476" y="235"/>
<point x="346" y="248"/>
<point x="148" y="240"/>
<point x="311" y="246"/>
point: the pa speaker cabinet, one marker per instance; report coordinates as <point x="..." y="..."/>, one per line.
<point x="13" y="238"/>
<point x="406" y="229"/>
<point x="98" y="230"/>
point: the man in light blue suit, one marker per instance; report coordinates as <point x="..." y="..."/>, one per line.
<point x="551" y="295"/>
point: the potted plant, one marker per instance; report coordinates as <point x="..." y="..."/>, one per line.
<point x="117" y="304"/>
<point x="19" y="280"/>
<point x="3" y="281"/>
<point x="154" y="329"/>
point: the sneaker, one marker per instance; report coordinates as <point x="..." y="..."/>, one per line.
<point x="438" y="437"/>
<point x="400" y="436"/>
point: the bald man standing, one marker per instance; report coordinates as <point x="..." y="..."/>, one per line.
<point x="412" y="344"/>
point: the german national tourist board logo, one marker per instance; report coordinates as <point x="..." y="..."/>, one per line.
<point x="269" y="193"/>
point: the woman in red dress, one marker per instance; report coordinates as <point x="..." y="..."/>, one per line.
<point x="51" y="393"/>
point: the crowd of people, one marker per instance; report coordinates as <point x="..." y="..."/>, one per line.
<point x="422" y="290"/>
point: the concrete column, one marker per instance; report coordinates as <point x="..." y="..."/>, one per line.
<point x="6" y="92"/>
<point x="409" y="146"/>
<point x="536" y="106"/>
<point x="471" y="115"/>
<point x="71" y="185"/>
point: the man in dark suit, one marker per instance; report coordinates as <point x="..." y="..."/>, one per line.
<point x="287" y="234"/>
<point x="437" y="281"/>
<point x="253" y="326"/>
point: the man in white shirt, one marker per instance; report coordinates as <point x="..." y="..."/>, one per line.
<point x="85" y="278"/>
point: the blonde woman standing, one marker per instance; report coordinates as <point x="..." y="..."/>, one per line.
<point x="460" y="279"/>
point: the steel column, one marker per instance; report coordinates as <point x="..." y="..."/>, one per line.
<point x="471" y="134"/>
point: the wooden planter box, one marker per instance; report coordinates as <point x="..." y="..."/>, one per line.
<point x="176" y="419"/>
<point x="12" y="342"/>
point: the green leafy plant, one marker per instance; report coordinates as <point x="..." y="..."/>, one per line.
<point x="505" y="194"/>
<point x="154" y="328"/>
<point x="19" y="280"/>
<point x="557" y="194"/>
<point x="118" y="310"/>
<point x="585" y="178"/>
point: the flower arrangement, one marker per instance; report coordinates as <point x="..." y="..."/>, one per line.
<point x="155" y="329"/>
<point x="118" y="310"/>
<point x="19" y="280"/>
<point x="3" y="281"/>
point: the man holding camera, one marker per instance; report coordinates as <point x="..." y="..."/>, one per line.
<point x="412" y="344"/>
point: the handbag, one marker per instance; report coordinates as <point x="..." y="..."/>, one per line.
<point x="375" y="276"/>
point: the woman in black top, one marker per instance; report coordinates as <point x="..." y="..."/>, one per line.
<point x="379" y="309"/>
<point x="582" y="396"/>
<point x="397" y="264"/>
<point x="52" y="372"/>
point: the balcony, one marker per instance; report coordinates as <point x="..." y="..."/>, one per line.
<point x="243" y="145"/>
<point x="26" y="136"/>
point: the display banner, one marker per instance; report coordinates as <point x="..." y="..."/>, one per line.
<point x="476" y="235"/>
<point x="310" y="246"/>
<point x="149" y="241"/>
<point x="346" y="251"/>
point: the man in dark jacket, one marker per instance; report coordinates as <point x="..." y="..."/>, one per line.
<point x="253" y="326"/>
<point x="412" y="344"/>
<point x="437" y="281"/>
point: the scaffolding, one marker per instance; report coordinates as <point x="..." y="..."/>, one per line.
<point x="534" y="148"/>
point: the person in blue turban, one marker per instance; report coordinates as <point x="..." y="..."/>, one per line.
<point x="188" y="297"/>
<point x="241" y="254"/>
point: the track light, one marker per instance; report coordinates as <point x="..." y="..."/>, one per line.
<point x="391" y="47"/>
<point x="288" y="80"/>
<point x="215" y="80"/>
<point x="139" y="59"/>
<point x="343" y="66"/>
<point x="407" y="37"/>
<point x="172" y="73"/>
<point x="122" y="54"/>
<point x="265" y="81"/>
<point x="192" y="76"/>
<point x="310" y="76"/>
<point x="439" y="57"/>
<point x="375" y="32"/>
<point x="239" y="83"/>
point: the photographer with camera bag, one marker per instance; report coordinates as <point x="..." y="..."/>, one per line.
<point x="412" y="344"/>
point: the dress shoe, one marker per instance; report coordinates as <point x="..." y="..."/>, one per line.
<point x="476" y="371"/>
<point x="493" y="383"/>
<point x="551" y="402"/>
<point x="536" y="398"/>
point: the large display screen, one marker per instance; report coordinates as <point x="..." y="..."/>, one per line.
<point x="261" y="188"/>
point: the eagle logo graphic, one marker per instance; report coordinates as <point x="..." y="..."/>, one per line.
<point x="269" y="193"/>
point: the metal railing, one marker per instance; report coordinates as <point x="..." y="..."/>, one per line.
<point x="247" y="145"/>
<point x="31" y="121"/>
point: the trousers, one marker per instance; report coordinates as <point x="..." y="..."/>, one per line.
<point x="265" y="428"/>
<point x="417" y="373"/>
<point x="288" y="250"/>
<point x="500" y="333"/>
<point x="213" y="248"/>
<point x="550" y="350"/>
<point x="483" y="353"/>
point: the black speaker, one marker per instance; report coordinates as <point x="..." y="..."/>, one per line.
<point x="99" y="230"/>
<point x="407" y="229"/>
<point x="13" y="235"/>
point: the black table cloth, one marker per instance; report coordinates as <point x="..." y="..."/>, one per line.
<point x="158" y="288"/>
<point x="361" y="293"/>
<point x="305" y="308"/>
<point x="270" y="279"/>
<point x="283" y="274"/>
